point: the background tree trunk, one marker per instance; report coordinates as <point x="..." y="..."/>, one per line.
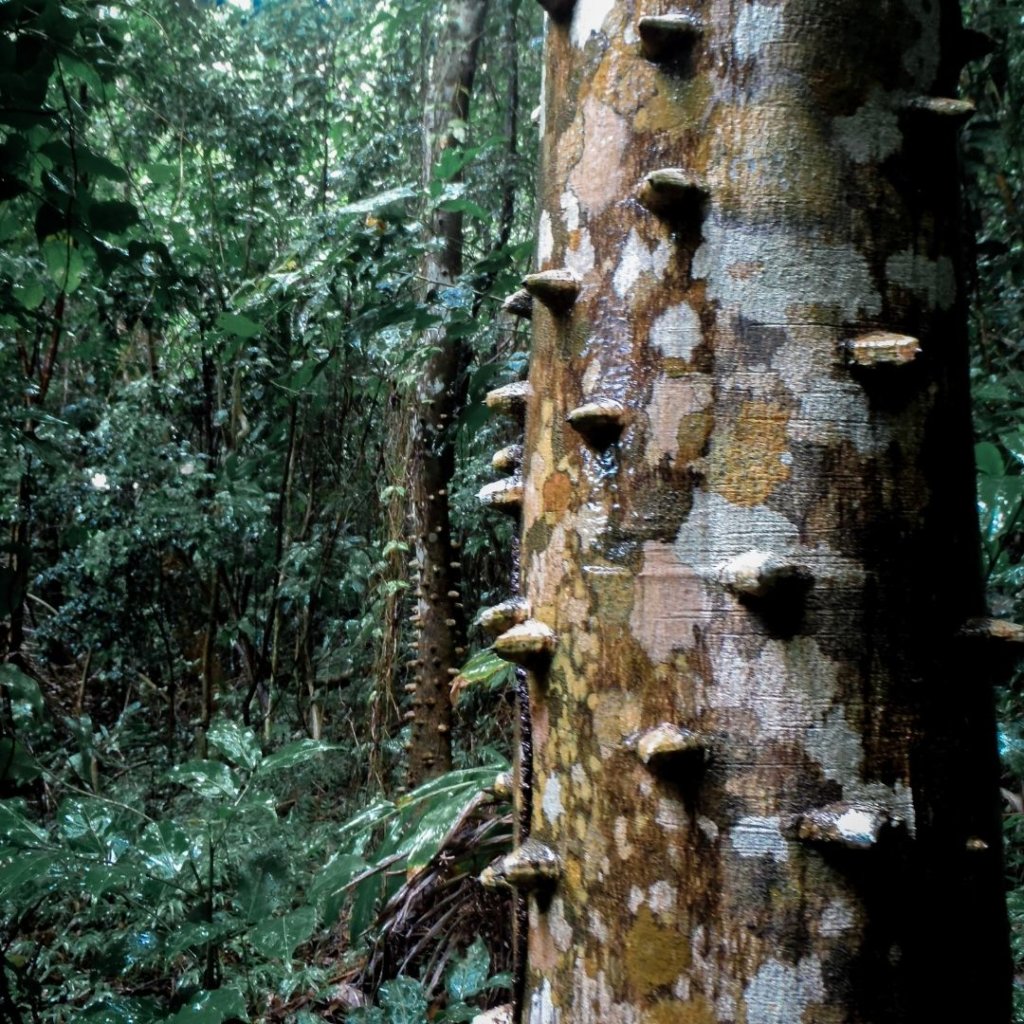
<point x="439" y="398"/>
<point x="765" y="771"/>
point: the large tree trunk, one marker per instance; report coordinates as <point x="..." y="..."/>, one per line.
<point x="439" y="398"/>
<point x="765" y="776"/>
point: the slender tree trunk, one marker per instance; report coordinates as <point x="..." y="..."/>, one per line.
<point x="765" y="774"/>
<point x="439" y="398"/>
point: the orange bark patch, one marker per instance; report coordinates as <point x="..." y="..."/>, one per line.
<point x="655" y="955"/>
<point x="745" y="464"/>
<point x="557" y="493"/>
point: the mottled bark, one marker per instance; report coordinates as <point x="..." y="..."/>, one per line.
<point x="440" y="395"/>
<point x="765" y="776"/>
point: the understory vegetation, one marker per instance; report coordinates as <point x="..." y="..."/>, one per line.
<point x="211" y="328"/>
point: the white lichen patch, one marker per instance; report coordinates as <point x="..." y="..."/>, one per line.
<point x="670" y="815"/>
<point x="580" y="258"/>
<point x="558" y="926"/>
<point x="588" y="17"/>
<point x="596" y="925"/>
<point x="570" y="210"/>
<point x="780" y="994"/>
<point x="542" y="1009"/>
<point x="933" y="281"/>
<point x="623" y="846"/>
<point x="871" y="133"/>
<point x="545" y="239"/>
<point x="774" y="277"/>
<point x="759" y="837"/>
<point x="636" y="260"/>
<point x="677" y="332"/>
<point x="708" y="827"/>
<point x="591" y="521"/>
<point x="636" y="898"/>
<point x="836" y="918"/>
<point x="551" y="803"/>
<point x="757" y="26"/>
<point x="661" y="898"/>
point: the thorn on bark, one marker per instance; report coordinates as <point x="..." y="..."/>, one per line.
<point x="853" y="826"/>
<point x="502" y="617"/>
<point x="599" y="422"/>
<point x="674" y="195"/>
<point x="667" y="38"/>
<point x="666" y="744"/>
<point x="530" y="644"/>
<point x="942" y="109"/>
<point x="509" y="400"/>
<point x="882" y="348"/>
<point x="508" y="459"/>
<point x="560" y="10"/>
<point x="519" y="303"/>
<point x="531" y="866"/>
<point x="503" y="495"/>
<point x="758" y="575"/>
<point x="556" y="289"/>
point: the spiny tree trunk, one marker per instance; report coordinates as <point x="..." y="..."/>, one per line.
<point x="765" y="776"/>
<point x="439" y="397"/>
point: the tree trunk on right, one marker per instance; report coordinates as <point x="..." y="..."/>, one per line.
<point x="765" y="773"/>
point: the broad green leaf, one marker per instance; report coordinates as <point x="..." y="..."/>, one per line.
<point x="337" y="873"/>
<point x="16" y="829"/>
<point x="30" y="294"/>
<point x="989" y="459"/>
<point x="121" y="1010"/>
<point x="483" y="667"/>
<point x="17" y="765"/>
<point x="240" y="326"/>
<point x="64" y="262"/>
<point x="23" y="691"/>
<point x="235" y="742"/>
<point x="277" y="937"/>
<point x="403" y="1001"/>
<point x="29" y="869"/>
<point x="296" y="753"/>
<point x="1013" y="442"/>
<point x="261" y="886"/>
<point x="468" y="975"/>
<point x="212" y="1008"/>
<point x="210" y="779"/>
<point x="161" y="174"/>
<point x="999" y="499"/>
<point x="166" y="848"/>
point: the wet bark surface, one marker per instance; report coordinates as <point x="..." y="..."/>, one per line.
<point x="763" y="749"/>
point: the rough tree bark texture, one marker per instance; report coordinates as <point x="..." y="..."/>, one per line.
<point x="439" y="398"/>
<point x="765" y="776"/>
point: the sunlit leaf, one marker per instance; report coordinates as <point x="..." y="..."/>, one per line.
<point x="277" y="937"/>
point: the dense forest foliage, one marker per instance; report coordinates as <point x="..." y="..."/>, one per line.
<point x="214" y="224"/>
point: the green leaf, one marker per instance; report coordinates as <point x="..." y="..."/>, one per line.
<point x="161" y="174"/>
<point x="403" y="1001"/>
<point x="30" y="294"/>
<point x="238" y="325"/>
<point x="64" y="262"/>
<point x="212" y="1008"/>
<point x="261" y="886"/>
<point x="23" y="691"/>
<point x="1013" y="442"/>
<point x="236" y="743"/>
<point x="483" y="667"/>
<point x="17" y="765"/>
<point x="989" y="459"/>
<point x="296" y="753"/>
<point x="374" y="203"/>
<point x="468" y="976"/>
<point x="277" y="938"/>
<point x="29" y="870"/>
<point x="17" y="830"/>
<point x="166" y="848"/>
<point x="210" y="779"/>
